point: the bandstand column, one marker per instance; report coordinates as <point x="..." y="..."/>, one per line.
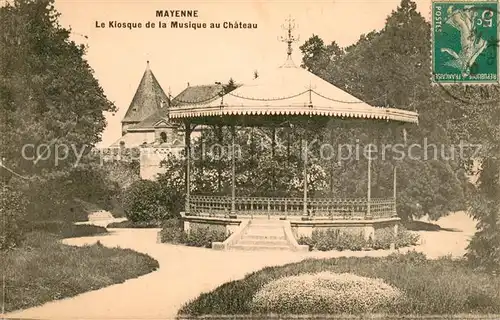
<point x="233" y="171"/>
<point x="394" y="187"/>
<point x="304" y="150"/>
<point x="187" y="144"/>
<point x="369" y="192"/>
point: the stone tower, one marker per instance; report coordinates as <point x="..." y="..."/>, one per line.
<point x="149" y="97"/>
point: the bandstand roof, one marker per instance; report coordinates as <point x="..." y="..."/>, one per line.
<point x="286" y="92"/>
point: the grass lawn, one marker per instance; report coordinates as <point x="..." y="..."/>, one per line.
<point x="442" y="286"/>
<point x="42" y="269"/>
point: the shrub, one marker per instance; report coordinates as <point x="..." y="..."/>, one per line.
<point x="385" y="237"/>
<point x="82" y="230"/>
<point x="12" y="213"/>
<point x="204" y="236"/>
<point x="143" y="201"/>
<point x="65" y="229"/>
<point x="173" y="194"/>
<point x="334" y="239"/>
<point x="172" y="231"/>
<point x="306" y="241"/>
<point x="324" y="293"/>
<point x="406" y="239"/>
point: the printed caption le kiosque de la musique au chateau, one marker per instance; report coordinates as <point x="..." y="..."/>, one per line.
<point x="175" y="19"/>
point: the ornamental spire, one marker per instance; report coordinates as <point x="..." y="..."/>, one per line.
<point x="289" y="38"/>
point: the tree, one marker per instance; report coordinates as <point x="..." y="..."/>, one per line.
<point x="230" y="86"/>
<point x="50" y="97"/>
<point x="317" y="56"/>
<point x="12" y="216"/>
<point x="51" y="104"/>
<point x="477" y="120"/>
<point x="390" y="68"/>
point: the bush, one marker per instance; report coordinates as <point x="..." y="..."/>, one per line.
<point x="65" y="229"/>
<point x="385" y="237"/>
<point x="143" y="201"/>
<point x="12" y="212"/>
<point x="334" y="239"/>
<point x="204" y="236"/>
<point x="324" y="293"/>
<point x="173" y="231"/>
<point x="406" y="239"/>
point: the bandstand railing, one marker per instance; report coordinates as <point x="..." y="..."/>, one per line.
<point x="350" y="209"/>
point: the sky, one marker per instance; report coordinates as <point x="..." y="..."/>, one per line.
<point x="204" y="56"/>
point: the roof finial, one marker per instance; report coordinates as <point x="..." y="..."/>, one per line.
<point x="289" y="39"/>
<point x="147" y="64"/>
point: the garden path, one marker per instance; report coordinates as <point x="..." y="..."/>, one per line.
<point x="185" y="272"/>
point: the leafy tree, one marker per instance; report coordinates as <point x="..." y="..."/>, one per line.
<point x="51" y="104"/>
<point x="477" y="120"/>
<point x="172" y="186"/>
<point x="12" y="216"/>
<point x="317" y="56"/>
<point x="391" y="67"/>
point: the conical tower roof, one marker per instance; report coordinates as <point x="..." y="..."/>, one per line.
<point x="149" y="98"/>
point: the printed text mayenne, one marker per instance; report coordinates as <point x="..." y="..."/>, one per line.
<point x="175" y="24"/>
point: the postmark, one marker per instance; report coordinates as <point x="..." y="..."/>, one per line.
<point x="465" y="45"/>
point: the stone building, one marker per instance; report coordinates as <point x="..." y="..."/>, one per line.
<point x="146" y="124"/>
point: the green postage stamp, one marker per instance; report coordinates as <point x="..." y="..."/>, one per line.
<point x="465" y="42"/>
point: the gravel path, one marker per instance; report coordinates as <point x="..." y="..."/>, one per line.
<point x="186" y="272"/>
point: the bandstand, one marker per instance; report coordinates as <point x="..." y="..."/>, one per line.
<point x="291" y="95"/>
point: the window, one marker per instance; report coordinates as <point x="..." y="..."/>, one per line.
<point x="163" y="137"/>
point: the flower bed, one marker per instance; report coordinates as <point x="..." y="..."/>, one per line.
<point x="442" y="286"/>
<point x="203" y="236"/>
<point x="325" y="292"/>
<point x="334" y="239"/>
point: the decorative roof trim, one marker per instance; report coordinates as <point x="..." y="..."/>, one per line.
<point x="150" y="129"/>
<point x="375" y="113"/>
<point x="163" y="122"/>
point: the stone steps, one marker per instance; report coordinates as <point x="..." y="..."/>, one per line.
<point x="263" y="235"/>
<point x="256" y="247"/>
<point x="260" y="237"/>
<point x="264" y="242"/>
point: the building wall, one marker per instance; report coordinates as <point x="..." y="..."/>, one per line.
<point x="138" y="137"/>
<point x="151" y="159"/>
<point x="172" y="134"/>
<point x="127" y="125"/>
